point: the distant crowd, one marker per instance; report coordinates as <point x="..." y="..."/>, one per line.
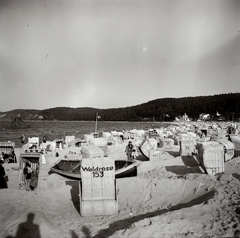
<point x="9" y="156"/>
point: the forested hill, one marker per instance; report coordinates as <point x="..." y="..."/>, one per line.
<point x="165" y="109"/>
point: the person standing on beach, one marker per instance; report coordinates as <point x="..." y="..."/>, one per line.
<point x="129" y="151"/>
<point x="28" y="175"/>
<point x="34" y="178"/>
<point x="23" y="139"/>
<point x="44" y="139"/>
<point x="43" y="145"/>
<point x="2" y="156"/>
<point x="134" y="152"/>
<point x="3" y="182"/>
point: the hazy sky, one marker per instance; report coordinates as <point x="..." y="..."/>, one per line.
<point x="105" y="54"/>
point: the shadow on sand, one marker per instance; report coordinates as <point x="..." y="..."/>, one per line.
<point x="86" y="232"/>
<point x="126" y="223"/>
<point x="75" y="193"/>
<point x="237" y="176"/>
<point x="173" y="153"/>
<point x="190" y="161"/>
<point x="27" y="228"/>
<point x="191" y="165"/>
<point x="182" y="170"/>
<point x="141" y="157"/>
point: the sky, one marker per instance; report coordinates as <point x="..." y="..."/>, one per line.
<point x="116" y="53"/>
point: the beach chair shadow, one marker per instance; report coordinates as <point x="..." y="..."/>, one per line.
<point x="142" y="158"/>
<point x="191" y="165"/>
<point x="182" y="170"/>
<point x="173" y="153"/>
<point x="74" y="193"/>
<point x="237" y="176"/>
<point x="190" y="161"/>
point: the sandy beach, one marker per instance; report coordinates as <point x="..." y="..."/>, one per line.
<point x="82" y="78"/>
<point x="167" y="198"/>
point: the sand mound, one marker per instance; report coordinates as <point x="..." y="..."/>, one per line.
<point x="164" y="200"/>
<point x="233" y="167"/>
<point x="211" y="213"/>
<point x="150" y="194"/>
<point x="56" y="181"/>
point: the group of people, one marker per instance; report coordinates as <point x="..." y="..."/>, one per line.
<point x="131" y="151"/>
<point x="30" y="177"/>
<point x="9" y="156"/>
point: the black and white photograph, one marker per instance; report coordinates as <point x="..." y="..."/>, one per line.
<point x="119" y="118"/>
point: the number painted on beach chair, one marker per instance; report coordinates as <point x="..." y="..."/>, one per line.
<point x="98" y="174"/>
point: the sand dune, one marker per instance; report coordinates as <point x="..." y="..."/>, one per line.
<point x="159" y="202"/>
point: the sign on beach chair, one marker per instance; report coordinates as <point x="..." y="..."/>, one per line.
<point x="97" y="188"/>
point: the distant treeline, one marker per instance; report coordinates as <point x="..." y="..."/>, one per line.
<point x="165" y="109"/>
